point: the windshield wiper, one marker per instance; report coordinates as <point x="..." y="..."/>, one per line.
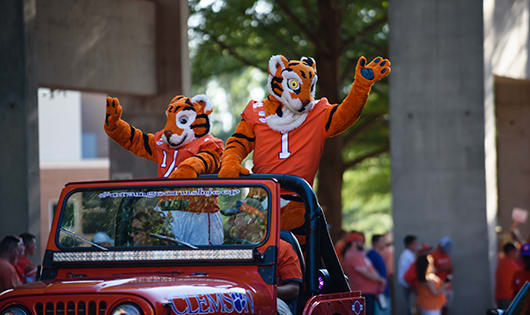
<point x="174" y="240"/>
<point x="79" y="237"/>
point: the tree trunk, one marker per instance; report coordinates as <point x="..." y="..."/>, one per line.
<point x="330" y="184"/>
<point x="331" y="164"/>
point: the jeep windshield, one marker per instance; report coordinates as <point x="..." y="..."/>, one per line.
<point x="163" y="217"/>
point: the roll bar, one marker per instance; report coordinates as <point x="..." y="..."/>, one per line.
<point x="319" y="247"/>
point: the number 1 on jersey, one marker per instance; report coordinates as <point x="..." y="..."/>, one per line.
<point x="285" y="147"/>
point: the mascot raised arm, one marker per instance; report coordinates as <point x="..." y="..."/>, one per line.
<point x="288" y="128"/>
<point x="183" y="149"/>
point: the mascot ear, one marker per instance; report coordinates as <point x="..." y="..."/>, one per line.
<point x="310" y="62"/>
<point x="276" y="63"/>
<point x="176" y="98"/>
<point x="204" y="101"/>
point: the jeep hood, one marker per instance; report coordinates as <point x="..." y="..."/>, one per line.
<point x="184" y="294"/>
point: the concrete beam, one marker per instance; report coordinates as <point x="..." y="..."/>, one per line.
<point x="97" y="45"/>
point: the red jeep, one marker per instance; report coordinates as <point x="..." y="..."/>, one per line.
<point x="116" y="247"/>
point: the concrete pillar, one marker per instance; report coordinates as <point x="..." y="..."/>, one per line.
<point x="173" y="78"/>
<point x="440" y="141"/>
<point x="19" y="160"/>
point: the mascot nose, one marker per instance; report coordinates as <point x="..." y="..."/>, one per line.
<point x="168" y="133"/>
<point x="304" y="104"/>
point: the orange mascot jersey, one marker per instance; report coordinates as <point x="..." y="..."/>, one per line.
<point x="168" y="158"/>
<point x="296" y="152"/>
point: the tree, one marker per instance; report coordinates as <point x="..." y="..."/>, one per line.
<point x="237" y="33"/>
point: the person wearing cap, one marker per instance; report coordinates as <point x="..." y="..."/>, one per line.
<point x="345" y="241"/>
<point x="444" y="268"/>
<point x="506" y="269"/>
<point x="523" y="275"/>
<point x="362" y="275"/>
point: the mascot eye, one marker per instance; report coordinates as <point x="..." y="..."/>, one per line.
<point x="293" y="84"/>
<point x="183" y="120"/>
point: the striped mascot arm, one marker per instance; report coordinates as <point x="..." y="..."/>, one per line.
<point x="238" y="146"/>
<point x="130" y="138"/>
<point x="342" y="116"/>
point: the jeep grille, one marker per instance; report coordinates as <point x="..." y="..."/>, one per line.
<point x="71" y="308"/>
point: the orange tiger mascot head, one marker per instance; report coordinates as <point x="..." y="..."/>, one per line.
<point x="187" y="120"/>
<point x="292" y="82"/>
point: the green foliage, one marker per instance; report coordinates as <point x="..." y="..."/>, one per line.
<point x="232" y="41"/>
<point x="369" y="184"/>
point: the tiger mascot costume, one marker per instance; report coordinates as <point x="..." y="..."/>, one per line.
<point x="183" y="149"/>
<point x="288" y="128"/>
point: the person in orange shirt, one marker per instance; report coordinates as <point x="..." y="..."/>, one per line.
<point x="444" y="268"/>
<point x="362" y="275"/>
<point x="289" y="275"/>
<point x="523" y="275"/>
<point x="9" y="252"/>
<point x="430" y="288"/>
<point x="506" y="269"/>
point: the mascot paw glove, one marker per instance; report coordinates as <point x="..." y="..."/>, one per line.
<point x="232" y="170"/>
<point x="184" y="171"/>
<point x="372" y="72"/>
<point x="113" y="112"/>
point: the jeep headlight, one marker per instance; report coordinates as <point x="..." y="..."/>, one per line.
<point x="15" y="310"/>
<point x="126" y="309"/>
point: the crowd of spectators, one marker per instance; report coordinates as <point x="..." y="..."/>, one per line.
<point x="16" y="267"/>
<point x="368" y="271"/>
<point x="423" y="274"/>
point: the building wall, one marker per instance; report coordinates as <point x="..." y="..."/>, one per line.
<point x="93" y="113"/>
<point x="54" y="176"/>
<point x="512" y="99"/>
<point x="59" y="125"/>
